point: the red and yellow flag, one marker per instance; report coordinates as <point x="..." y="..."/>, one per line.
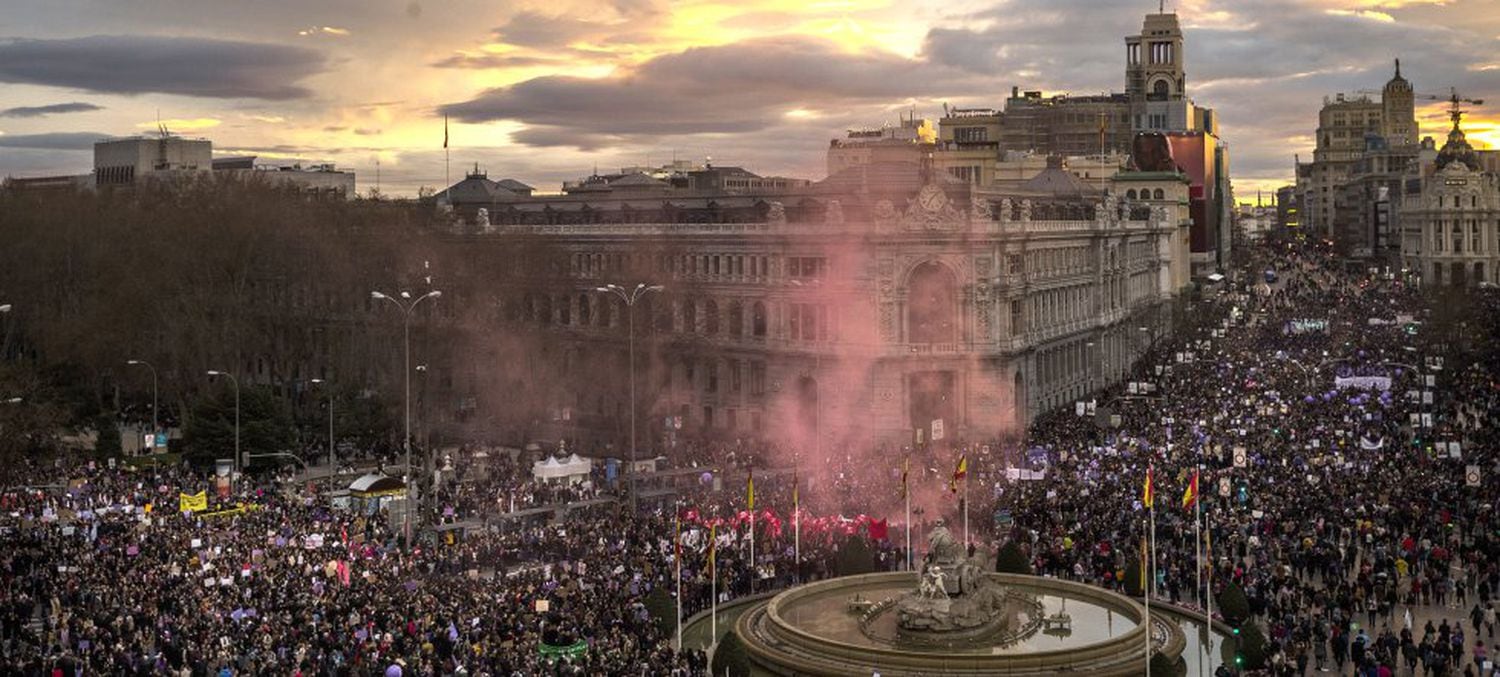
<point x="959" y="473"/>
<point x="1147" y="493"/>
<point x="1190" y="495"/>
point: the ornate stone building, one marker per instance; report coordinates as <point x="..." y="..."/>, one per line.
<point x="878" y="301"/>
<point x="1450" y="217"/>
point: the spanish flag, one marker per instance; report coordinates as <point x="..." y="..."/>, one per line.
<point x="1145" y="568"/>
<point x="959" y="473"/>
<point x="1147" y="493"/>
<point x="1190" y="495"/>
<point x="750" y="491"/>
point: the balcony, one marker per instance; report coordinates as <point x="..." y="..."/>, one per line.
<point x="930" y="349"/>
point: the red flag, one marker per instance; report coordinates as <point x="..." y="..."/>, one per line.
<point x="879" y="529"/>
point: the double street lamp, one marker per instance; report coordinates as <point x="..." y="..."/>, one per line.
<point x="407" y="304"/>
<point x="236" y="382"/>
<point x="630" y="297"/>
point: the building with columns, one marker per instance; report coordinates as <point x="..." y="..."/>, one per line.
<point x="873" y="303"/>
<point x="1449" y="216"/>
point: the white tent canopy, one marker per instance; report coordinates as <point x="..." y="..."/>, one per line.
<point x="572" y="469"/>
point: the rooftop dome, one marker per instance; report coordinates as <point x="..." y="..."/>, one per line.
<point x="1458" y="149"/>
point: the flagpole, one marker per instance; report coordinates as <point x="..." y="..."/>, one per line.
<point x="753" y="573"/>
<point x="713" y="572"/>
<point x="1146" y="589"/>
<point x="906" y="494"/>
<point x="1208" y="612"/>
<point x="796" y="532"/>
<point x="1151" y="567"/>
<point x="1198" y="535"/>
<point x="677" y="555"/>
<point x="447" y="179"/>
<point x="966" y="512"/>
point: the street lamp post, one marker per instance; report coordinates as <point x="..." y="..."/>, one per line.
<point x="408" y="305"/>
<point x="332" y="461"/>
<point x="630" y="297"/>
<point x="155" y="401"/>
<point x="232" y="379"/>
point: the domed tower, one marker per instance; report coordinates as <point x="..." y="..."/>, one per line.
<point x="1398" y="111"/>
<point x="1458" y="149"/>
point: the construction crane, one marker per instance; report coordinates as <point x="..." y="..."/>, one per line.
<point x="1455" y="103"/>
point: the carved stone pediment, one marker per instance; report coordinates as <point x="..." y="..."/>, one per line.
<point x="932" y="210"/>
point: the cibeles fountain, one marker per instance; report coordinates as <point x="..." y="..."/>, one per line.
<point x="955" y="602"/>
<point x="952" y="616"/>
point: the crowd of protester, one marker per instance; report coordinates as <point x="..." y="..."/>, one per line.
<point x="1350" y="529"/>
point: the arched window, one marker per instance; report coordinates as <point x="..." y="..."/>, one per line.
<point x="711" y="318"/>
<point x="1130" y="194"/>
<point x="736" y="319"/>
<point x="689" y="316"/>
<point x="758" y="319"/>
<point x="1158" y="194"/>
<point x="1161" y="88"/>
<point x="565" y="312"/>
<point x="932" y="305"/>
<point x="584" y="314"/>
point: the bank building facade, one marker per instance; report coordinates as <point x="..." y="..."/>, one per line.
<point x="888" y="300"/>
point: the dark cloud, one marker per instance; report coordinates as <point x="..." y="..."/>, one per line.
<point x="53" y="140"/>
<point x="362" y="131"/>
<point x="50" y="109"/>
<point x="562" y="137"/>
<point x="735" y="88"/>
<point x="1265" y="67"/>
<point x="533" y="29"/>
<point x="137" y="64"/>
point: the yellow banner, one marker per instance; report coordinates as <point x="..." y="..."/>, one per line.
<point x="192" y="502"/>
<point x="238" y="509"/>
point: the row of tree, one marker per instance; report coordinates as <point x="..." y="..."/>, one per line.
<point x="246" y="278"/>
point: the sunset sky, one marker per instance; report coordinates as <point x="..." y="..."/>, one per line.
<point x="544" y="91"/>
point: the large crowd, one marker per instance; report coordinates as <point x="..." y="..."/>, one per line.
<point x="1350" y="529"/>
